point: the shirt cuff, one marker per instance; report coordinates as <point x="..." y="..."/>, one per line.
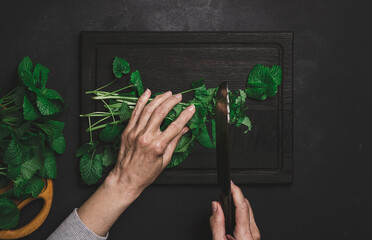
<point x="73" y="228"/>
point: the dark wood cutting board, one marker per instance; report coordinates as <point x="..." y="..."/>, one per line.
<point x="173" y="60"/>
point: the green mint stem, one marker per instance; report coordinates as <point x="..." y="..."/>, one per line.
<point x="90" y="130"/>
<point x="6" y="104"/>
<point x="103" y="86"/>
<point x="122" y="88"/>
<point x="6" y="95"/>
<point x="113" y="118"/>
<point x="188" y="91"/>
<point x="101" y="120"/>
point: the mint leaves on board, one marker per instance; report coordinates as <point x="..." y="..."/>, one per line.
<point x="101" y="152"/>
<point x="30" y="138"/>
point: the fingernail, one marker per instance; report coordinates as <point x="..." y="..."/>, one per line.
<point x="191" y="108"/>
<point x="185" y="130"/>
<point x="147" y="91"/>
<point x="178" y="95"/>
<point x="214" y="206"/>
<point x="168" y="93"/>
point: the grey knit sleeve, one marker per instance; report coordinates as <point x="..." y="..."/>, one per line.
<point x="73" y="228"/>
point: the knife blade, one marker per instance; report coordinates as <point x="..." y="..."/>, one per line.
<point x="223" y="160"/>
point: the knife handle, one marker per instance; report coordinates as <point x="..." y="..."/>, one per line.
<point x="228" y="208"/>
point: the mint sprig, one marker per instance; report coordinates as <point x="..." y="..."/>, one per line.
<point x="262" y="83"/>
<point x="30" y="138"/>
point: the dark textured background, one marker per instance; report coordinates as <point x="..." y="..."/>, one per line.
<point x="331" y="197"/>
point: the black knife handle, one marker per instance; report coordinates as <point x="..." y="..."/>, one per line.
<point x="228" y="208"/>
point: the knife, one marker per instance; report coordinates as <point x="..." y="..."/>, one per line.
<point x="223" y="160"/>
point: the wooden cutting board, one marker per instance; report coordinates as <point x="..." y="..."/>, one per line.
<point x="173" y="60"/>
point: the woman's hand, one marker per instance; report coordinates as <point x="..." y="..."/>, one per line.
<point x="245" y="228"/>
<point x="144" y="153"/>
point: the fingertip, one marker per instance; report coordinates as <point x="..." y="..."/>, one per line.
<point x="191" y="108"/>
<point x="214" y="207"/>
<point x="185" y="130"/>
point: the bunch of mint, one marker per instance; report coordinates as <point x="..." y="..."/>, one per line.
<point x="29" y="138"/>
<point x="102" y="152"/>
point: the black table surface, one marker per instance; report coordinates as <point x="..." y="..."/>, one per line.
<point x="331" y="194"/>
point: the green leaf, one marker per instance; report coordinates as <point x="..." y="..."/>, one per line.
<point x="9" y="214"/>
<point x="135" y="79"/>
<point x="185" y="141"/>
<point x="184" y="150"/>
<point x="204" y="139"/>
<point x="27" y="79"/>
<point x="263" y="81"/>
<point x="30" y="112"/>
<point x="91" y="168"/>
<point x="108" y="156"/>
<point x="18" y="95"/>
<point x="58" y="144"/>
<point x="276" y="73"/>
<point x="25" y="65"/>
<point x="125" y="112"/>
<point x="13" y="153"/>
<point x="51" y="94"/>
<point x="13" y="172"/>
<point x="120" y="67"/>
<point x="47" y="106"/>
<point x="31" y="187"/>
<point x="40" y="75"/>
<point x="29" y="167"/>
<point x="111" y="132"/>
<point x="86" y="149"/>
<point x="49" y="169"/>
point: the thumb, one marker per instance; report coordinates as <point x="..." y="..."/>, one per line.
<point x="217" y="222"/>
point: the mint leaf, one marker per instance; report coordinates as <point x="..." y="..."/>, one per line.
<point x="91" y="168"/>
<point x="25" y="65"/>
<point x="276" y="73"/>
<point x="51" y="94"/>
<point x="40" y="75"/>
<point x="18" y="95"/>
<point x="263" y="81"/>
<point x="111" y="132"/>
<point x="108" y="156"/>
<point x="9" y="214"/>
<point x="204" y="139"/>
<point x="27" y="79"/>
<point x="13" y="153"/>
<point x="26" y="188"/>
<point x="120" y="67"/>
<point x="46" y="106"/>
<point x="184" y="143"/>
<point x="125" y="112"/>
<point x="30" y="166"/>
<point x="183" y="149"/>
<point x="30" y="112"/>
<point x="49" y="169"/>
<point x="86" y="149"/>
<point x="135" y="79"/>
<point x="58" y="144"/>
<point x="13" y="172"/>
